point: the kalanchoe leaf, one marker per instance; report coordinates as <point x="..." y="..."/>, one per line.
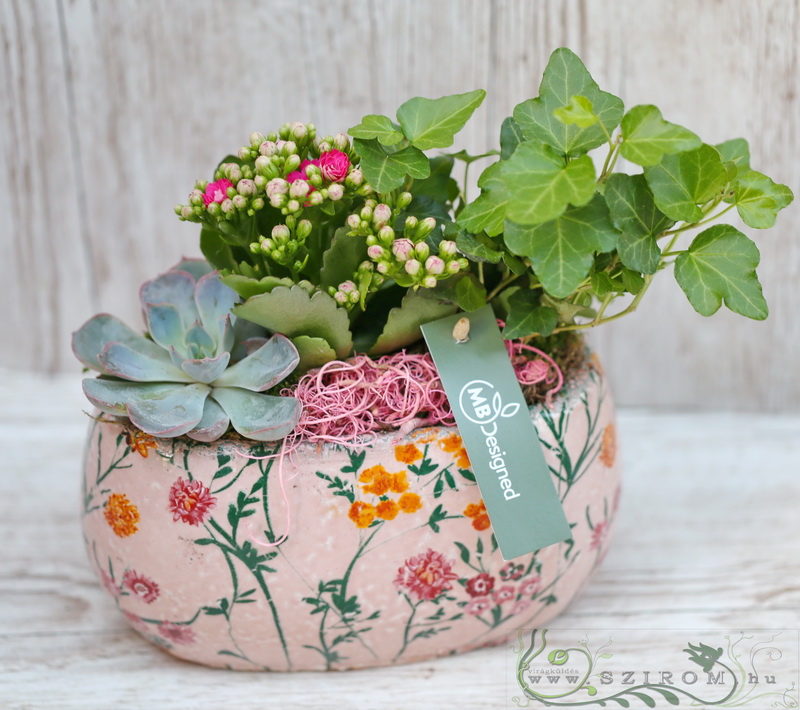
<point x="90" y="339"/>
<point x="403" y="324"/>
<point x="123" y="361"/>
<point x="207" y="369"/>
<point x="264" y="368"/>
<point x="246" y="286"/>
<point x="258" y="416"/>
<point x="313" y="352"/>
<point x="173" y="287"/>
<point x="213" y="424"/>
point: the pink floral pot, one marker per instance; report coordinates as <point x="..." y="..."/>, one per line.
<point x="389" y="558"/>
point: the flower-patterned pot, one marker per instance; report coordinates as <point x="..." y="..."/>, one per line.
<point x="389" y="558"/>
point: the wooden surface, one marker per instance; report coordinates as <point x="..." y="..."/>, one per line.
<point x="110" y="110"/>
<point x="707" y="539"/>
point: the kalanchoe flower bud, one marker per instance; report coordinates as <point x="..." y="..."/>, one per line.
<point x="187" y="212"/>
<point x="303" y="229"/>
<point x="411" y="224"/>
<point x="256" y="139"/>
<point x="382" y="267"/>
<point x="298" y="130"/>
<point x="404" y="199"/>
<point x="260" y="181"/>
<point x="292" y="163"/>
<point x="376" y="252"/>
<point x="366" y="212"/>
<point x="403" y="249"/>
<point x="214" y="210"/>
<point x="386" y="235"/>
<point x="268" y="148"/>
<point x="422" y="250"/>
<point x="258" y="203"/>
<point x="347" y="287"/>
<point x="381" y="214"/>
<point x="299" y="188"/>
<point x="231" y="171"/>
<point x="244" y="153"/>
<point x="262" y="163"/>
<point x="277" y="186"/>
<point x="292" y="206"/>
<point x="246" y="187"/>
<point x="277" y="200"/>
<point x="280" y="233"/>
<point x="196" y="197"/>
<point x="339" y="297"/>
<point x="434" y="265"/>
<point x="365" y="267"/>
<point x="324" y="146"/>
<point x="227" y="206"/>
<point x="353" y="221"/>
<point x="289" y="148"/>
<point x="354" y="178"/>
<point x="239" y="201"/>
<point x="412" y="267"/>
<point x="315" y="198"/>
<point x="429" y="282"/>
<point x="425" y="227"/>
<point x="463" y="264"/>
<point x="447" y="248"/>
<point x="341" y="141"/>
<point x="267" y="245"/>
<point x="335" y="192"/>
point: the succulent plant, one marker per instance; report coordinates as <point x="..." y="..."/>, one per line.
<point x="199" y="371"/>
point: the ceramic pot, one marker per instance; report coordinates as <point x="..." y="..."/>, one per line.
<point x="389" y="557"/>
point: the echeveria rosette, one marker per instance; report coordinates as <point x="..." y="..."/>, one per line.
<point x="198" y="372"/>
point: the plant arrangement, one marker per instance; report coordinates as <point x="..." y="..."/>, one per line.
<point x="343" y="246"/>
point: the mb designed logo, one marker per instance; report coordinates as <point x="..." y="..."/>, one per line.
<point x="482" y="404"/>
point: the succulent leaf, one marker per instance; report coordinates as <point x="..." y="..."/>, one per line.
<point x="196" y="268"/>
<point x="264" y="368"/>
<point x="258" y="416"/>
<point x="207" y="369"/>
<point x="123" y="361"/>
<point x="199" y="344"/>
<point x="213" y="424"/>
<point x="170" y="412"/>
<point x="165" y="325"/>
<point x="93" y="336"/>
<point x="175" y="288"/>
<point x="214" y="301"/>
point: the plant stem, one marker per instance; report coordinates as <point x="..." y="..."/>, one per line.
<point x="708" y="219"/>
<point x="505" y="282"/>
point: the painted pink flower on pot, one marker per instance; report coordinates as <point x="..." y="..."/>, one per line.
<point x="190" y="501"/>
<point x="477" y="606"/>
<point x="504" y="594"/>
<point x="177" y="633"/>
<point x="424" y="577"/>
<point x="140" y="586"/>
<point x="480" y="585"/>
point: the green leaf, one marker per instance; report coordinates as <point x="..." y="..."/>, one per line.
<point x="478" y="247"/>
<point x="387" y="171"/>
<point x="314" y="352"/>
<point x="470" y="294"/>
<point x="340" y="261"/>
<point x="565" y="77"/>
<point x="403" y="324"/>
<point x="632" y="281"/>
<point x="295" y="312"/>
<point x="635" y="214"/>
<point x="721" y="264"/>
<point x="682" y="182"/>
<point x="433" y="123"/>
<point x="758" y="199"/>
<point x="526" y="316"/>
<point x="439" y="186"/>
<point x="216" y="250"/>
<point x="510" y="137"/>
<point x="468" y="158"/>
<point x="647" y="136"/>
<point x="486" y="214"/>
<point x="246" y="286"/>
<point x="737" y="152"/>
<point x="540" y="185"/>
<point x="578" y="112"/>
<point x="562" y="250"/>
<point x="379" y="127"/>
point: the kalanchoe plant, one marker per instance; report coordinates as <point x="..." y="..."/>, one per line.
<point x="198" y="372"/>
<point x="349" y="246"/>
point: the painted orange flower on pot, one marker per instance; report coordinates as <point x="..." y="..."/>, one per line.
<point x="378" y="480"/>
<point x="407" y="453"/>
<point x="452" y="444"/>
<point x="122" y="515"/>
<point x="409" y="502"/>
<point x="140" y="442"/>
<point x="608" y="449"/>
<point x="362" y="514"/>
<point x="477" y="512"/>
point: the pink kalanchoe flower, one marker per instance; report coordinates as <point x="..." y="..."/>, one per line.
<point x="334" y="165"/>
<point x="477" y="606"/>
<point x="504" y="594"/>
<point x="217" y="191"/>
<point x="140" y="586"/>
<point x="529" y="586"/>
<point x="177" y="633"/>
<point x="190" y="501"/>
<point x="480" y="585"/>
<point x="424" y="577"/>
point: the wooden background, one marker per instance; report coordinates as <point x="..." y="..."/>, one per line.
<point x="110" y="110"/>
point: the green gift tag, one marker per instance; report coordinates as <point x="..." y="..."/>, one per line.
<point x="498" y="433"/>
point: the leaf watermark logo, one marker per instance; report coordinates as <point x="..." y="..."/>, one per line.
<point x="481" y="403"/>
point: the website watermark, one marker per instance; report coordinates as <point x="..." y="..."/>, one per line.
<point x="668" y="668"/>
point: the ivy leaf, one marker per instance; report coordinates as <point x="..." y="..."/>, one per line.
<point x="647" y="136"/>
<point x="565" y="77"/>
<point x="682" y="182"/>
<point x="478" y="247"/>
<point x="758" y="199"/>
<point x="578" y="112"/>
<point x="433" y="123"/>
<point x="439" y="186"/>
<point x="247" y="286"/>
<point x="635" y="214"/>
<point x="470" y="294"/>
<point x="403" y="324"/>
<point x="341" y="259"/>
<point x="387" y="171"/>
<point x="562" y="250"/>
<point x="541" y="185"/>
<point x="510" y="138"/>
<point x="468" y="158"/>
<point x="294" y="312"/>
<point x="379" y="127"/>
<point x="721" y="265"/>
<point x="526" y="316"/>
<point x="488" y="212"/>
<point x="736" y="154"/>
